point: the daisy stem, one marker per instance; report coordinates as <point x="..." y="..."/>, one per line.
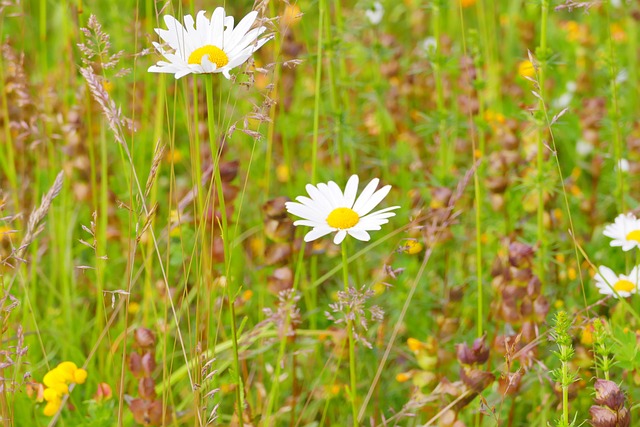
<point x="318" y="93"/>
<point x="352" y="358"/>
<point x="226" y="244"/>
<point x="443" y="152"/>
<point x="542" y="57"/>
<point x="615" y="112"/>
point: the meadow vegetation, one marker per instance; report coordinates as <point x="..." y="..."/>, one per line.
<point x="375" y="213"/>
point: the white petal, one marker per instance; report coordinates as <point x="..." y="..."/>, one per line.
<point x="316" y="233"/>
<point x="310" y="223"/>
<point x="247" y="42"/>
<point x="207" y="65"/>
<point x="183" y="73"/>
<point x="240" y="31"/>
<point x="373" y="201"/>
<point x="365" y="195"/>
<point x="336" y="193"/>
<point x="202" y="28"/>
<point x="216" y="29"/>
<point x="360" y="235"/>
<point x="340" y="235"/>
<point x="304" y="212"/>
<point x="318" y="195"/>
<point x="351" y="191"/>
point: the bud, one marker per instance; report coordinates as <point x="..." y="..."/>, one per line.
<point x="509" y="384"/>
<point x="145" y="338"/>
<point x="476" y="379"/>
<point x="103" y="392"/>
<point x="135" y="365"/>
<point x="520" y="254"/>
<point x="602" y="416"/>
<point x="148" y="363"/>
<point x="146" y="388"/>
<point x="275" y="208"/>
<point x="478" y="353"/>
<point x="608" y="394"/>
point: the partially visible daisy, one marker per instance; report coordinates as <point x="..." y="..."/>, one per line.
<point x="375" y="13"/>
<point x="211" y="46"/>
<point x="623" y="165"/>
<point x="625" y="232"/>
<point x="607" y="281"/>
<point x="328" y="209"/>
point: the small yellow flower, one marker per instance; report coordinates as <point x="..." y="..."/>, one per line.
<point x="412" y="247"/>
<point x="282" y="172"/>
<point x="526" y="69"/>
<point x="415" y="345"/>
<point x="291" y="15"/>
<point x="467" y="3"/>
<point x="617" y="32"/>
<point x="335" y="389"/>
<point x="134" y="307"/>
<point x="51" y="395"/>
<point x="51" y="408"/>
<point x="80" y="376"/>
<point x="107" y="85"/>
<point x="586" y="337"/>
<point x="246" y="295"/>
<point x="403" y="377"/>
<point x="173" y="156"/>
<point x="379" y="288"/>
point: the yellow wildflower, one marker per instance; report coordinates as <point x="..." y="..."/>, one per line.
<point x="403" y="377"/>
<point x="412" y="247"/>
<point x="291" y="15"/>
<point x="526" y="69"/>
<point x="51" y="408"/>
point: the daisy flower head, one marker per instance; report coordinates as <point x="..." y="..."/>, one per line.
<point x="375" y="13"/>
<point x="207" y="45"/>
<point x="329" y="209"/>
<point x="607" y="281"/>
<point x="625" y="232"/>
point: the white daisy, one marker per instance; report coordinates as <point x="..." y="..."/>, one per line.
<point x="211" y="46"/>
<point x="375" y="13"/>
<point x="625" y="232"/>
<point x="607" y="281"/>
<point x="328" y="209"/>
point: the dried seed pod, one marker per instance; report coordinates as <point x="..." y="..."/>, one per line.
<point x="277" y="253"/>
<point x="510" y="383"/>
<point x="608" y="394"/>
<point x="145" y="338"/>
<point x="477" y="354"/>
<point x="275" y="208"/>
<point x="135" y="365"/>
<point x="229" y="170"/>
<point x="601" y="416"/>
<point x="476" y="379"/>
<point x="281" y="279"/>
<point x="148" y="363"/>
<point x="146" y="388"/>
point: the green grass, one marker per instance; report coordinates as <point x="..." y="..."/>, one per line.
<point x="506" y="193"/>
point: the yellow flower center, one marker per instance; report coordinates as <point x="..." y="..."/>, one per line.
<point x="624" y="286"/>
<point x="343" y="218"/>
<point x="634" y="235"/>
<point x="216" y="55"/>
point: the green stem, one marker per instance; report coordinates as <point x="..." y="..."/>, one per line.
<point x="316" y="107"/>
<point x="352" y="358"/>
<point x="615" y="114"/>
<point x="540" y="146"/>
<point x="215" y="153"/>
